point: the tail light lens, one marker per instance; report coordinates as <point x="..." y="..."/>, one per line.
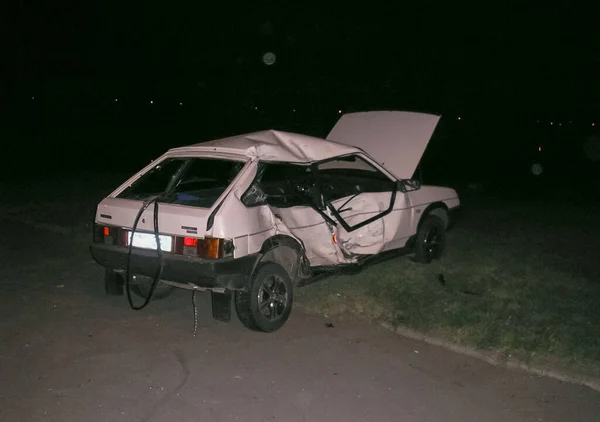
<point x="109" y="235"/>
<point x="190" y="242"/>
<point x="208" y="248"/>
<point x="190" y="246"/>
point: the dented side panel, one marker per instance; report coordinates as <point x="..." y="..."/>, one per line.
<point x="386" y="233"/>
<point x="250" y="227"/>
<point x="324" y="244"/>
<point x="306" y="224"/>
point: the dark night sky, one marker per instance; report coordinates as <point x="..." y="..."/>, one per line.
<point x="508" y="69"/>
<point x="502" y="56"/>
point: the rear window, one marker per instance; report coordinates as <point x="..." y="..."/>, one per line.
<point x="197" y="182"/>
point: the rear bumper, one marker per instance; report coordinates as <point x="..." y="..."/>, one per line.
<point x="230" y="273"/>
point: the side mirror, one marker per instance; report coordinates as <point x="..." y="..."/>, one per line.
<point x="409" y="185"/>
<point x="416" y="183"/>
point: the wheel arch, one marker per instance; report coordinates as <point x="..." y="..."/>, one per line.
<point x="438" y="209"/>
<point x="288" y="252"/>
<point x="281" y="240"/>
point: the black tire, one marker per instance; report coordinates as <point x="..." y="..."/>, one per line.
<point x="267" y="304"/>
<point x="431" y="240"/>
<point x="141" y="288"/>
<point x="113" y="283"/>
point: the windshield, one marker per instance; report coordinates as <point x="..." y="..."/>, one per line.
<point x="196" y="182"/>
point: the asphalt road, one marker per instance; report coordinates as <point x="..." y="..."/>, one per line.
<point x="70" y="353"/>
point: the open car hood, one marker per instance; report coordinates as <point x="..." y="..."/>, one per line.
<point x="396" y="139"/>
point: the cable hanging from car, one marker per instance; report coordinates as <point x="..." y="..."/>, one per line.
<point x="153" y="200"/>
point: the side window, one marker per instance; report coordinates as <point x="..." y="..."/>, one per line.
<point x="191" y="181"/>
<point x="154" y="181"/>
<point x="208" y="174"/>
<point x="354" y="191"/>
<point x="349" y="176"/>
<point x="281" y="185"/>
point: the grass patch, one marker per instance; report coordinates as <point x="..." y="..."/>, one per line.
<point x="513" y="285"/>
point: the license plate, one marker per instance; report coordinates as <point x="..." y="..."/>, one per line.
<point x="148" y="241"/>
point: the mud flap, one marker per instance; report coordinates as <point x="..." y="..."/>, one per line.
<point x="113" y="283"/>
<point x="221" y="305"/>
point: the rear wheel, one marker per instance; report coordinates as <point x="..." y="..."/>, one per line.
<point x="141" y="285"/>
<point x="431" y="240"/>
<point x="267" y="305"/>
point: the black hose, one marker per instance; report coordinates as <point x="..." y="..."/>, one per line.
<point x="159" y="270"/>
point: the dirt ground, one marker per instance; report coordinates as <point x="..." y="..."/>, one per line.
<point x="69" y="353"/>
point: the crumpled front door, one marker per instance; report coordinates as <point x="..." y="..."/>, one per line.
<point x="357" y="196"/>
<point x="368" y="239"/>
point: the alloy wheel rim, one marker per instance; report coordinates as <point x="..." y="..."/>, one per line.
<point x="272" y="298"/>
<point x="431" y="242"/>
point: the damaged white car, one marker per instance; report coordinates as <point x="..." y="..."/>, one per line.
<point x="251" y="217"/>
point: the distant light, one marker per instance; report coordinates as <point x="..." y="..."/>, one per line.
<point x="540" y="148"/>
<point x="593" y="124"/>
<point x="294" y="110"/>
<point x="458" y="117"/>
<point x="339" y="111"/>
<point x="255" y="107"/>
<point x="116" y="100"/>
<point x="537" y="169"/>
<point x="180" y="104"/>
<point x="560" y="124"/>
<point x="269" y="58"/>
<point x="33" y="98"/>
<point x="151" y="102"/>
<point x="551" y="123"/>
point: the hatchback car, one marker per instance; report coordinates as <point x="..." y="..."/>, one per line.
<point x="253" y="216"/>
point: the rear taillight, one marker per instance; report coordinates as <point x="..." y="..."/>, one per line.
<point x="190" y="242"/>
<point x="99" y="233"/>
<point x="108" y="235"/>
<point x="208" y="248"/>
<point x="108" y="238"/>
<point x="190" y="246"/>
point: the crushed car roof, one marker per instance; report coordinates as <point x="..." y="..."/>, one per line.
<point x="274" y="145"/>
<point x="396" y="139"/>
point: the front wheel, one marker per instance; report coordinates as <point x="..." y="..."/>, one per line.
<point x="267" y="304"/>
<point x="431" y="240"/>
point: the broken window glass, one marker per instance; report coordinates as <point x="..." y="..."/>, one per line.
<point x="281" y="185"/>
<point x="196" y="181"/>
